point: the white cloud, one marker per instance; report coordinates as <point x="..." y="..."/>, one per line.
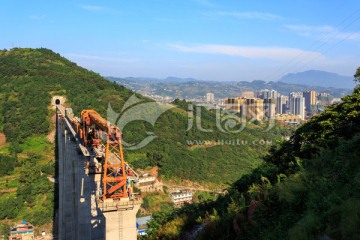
<point x="307" y="28"/>
<point x="325" y="32"/>
<point x="95" y="8"/>
<point x="274" y="53"/>
<point x="246" y="15"/>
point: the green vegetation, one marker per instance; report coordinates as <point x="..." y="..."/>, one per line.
<point x="200" y="196"/>
<point x="26" y="192"/>
<point x="7" y="164"/>
<point x="30" y="77"/>
<point x="153" y="202"/>
<point x="307" y="188"/>
<point x="187" y="154"/>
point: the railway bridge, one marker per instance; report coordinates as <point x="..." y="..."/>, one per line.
<point x="96" y="200"/>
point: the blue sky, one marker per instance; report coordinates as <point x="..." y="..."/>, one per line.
<point x="204" y="39"/>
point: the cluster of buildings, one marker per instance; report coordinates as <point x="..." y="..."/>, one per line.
<point x="23" y="231"/>
<point x="292" y="108"/>
<point x="149" y="183"/>
<point x="295" y="107"/>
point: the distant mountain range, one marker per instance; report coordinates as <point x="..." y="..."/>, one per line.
<point x="187" y="88"/>
<point x="319" y="78"/>
<point x="168" y="79"/>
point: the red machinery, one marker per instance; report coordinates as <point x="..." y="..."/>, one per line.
<point x="105" y="138"/>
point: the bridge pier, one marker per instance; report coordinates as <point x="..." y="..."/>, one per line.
<point x="121" y="224"/>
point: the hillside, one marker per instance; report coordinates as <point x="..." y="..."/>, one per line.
<point x="295" y="192"/>
<point x="319" y="78"/>
<point x="28" y="80"/>
<point x="30" y="77"/>
<point x="306" y="189"/>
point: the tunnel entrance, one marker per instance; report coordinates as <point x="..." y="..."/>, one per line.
<point x="57" y="100"/>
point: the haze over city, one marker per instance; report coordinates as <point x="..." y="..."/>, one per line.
<point x="203" y="39"/>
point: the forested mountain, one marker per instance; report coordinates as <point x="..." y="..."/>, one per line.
<point x="319" y="78"/>
<point x="307" y="188"/>
<point x="29" y="77"/>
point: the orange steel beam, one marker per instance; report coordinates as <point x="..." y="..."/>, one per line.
<point x="114" y="177"/>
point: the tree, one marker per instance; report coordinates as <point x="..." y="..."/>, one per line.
<point x="15" y="149"/>
<point x="357" y="75"/>
<point x="7" y="164"/>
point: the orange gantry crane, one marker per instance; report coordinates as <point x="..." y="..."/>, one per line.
<point x="105" y="138"/>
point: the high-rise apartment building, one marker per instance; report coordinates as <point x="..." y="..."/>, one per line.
<point x="297" y="104"/>
<point x="310" y="99"/>
<point x="210" y="98"/>
<point x="281" y="104"/>
<point x="235" y="104"/>
<point x="252" y="108"/>
<point x="266" y="93"/>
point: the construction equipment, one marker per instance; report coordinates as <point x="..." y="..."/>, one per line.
<point x="108" y="184"/>
<point x="95" y="131"/>
<point x="100" y="141"/>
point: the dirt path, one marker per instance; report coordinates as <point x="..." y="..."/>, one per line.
<point x="199" y="188"/>
<point x="51" y="136"/>
<point x="2" y="139"/>
<point x="211" y="144"/>
<point x="8" y="190"/>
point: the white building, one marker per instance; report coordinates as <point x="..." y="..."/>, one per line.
<point x="181" y="197"/>
<point x="297" y="104"/>
<point x="148" y="183"/>
<point x="266" y="93"/>
<point x="210" y="98"/>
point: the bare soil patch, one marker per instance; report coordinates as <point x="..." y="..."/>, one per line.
<point x="2" y="139"/>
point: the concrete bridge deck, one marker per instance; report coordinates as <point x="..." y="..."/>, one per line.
<point x="78" y="216"/>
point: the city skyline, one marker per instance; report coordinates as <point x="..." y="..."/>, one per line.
<point x="203" y="39"/>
